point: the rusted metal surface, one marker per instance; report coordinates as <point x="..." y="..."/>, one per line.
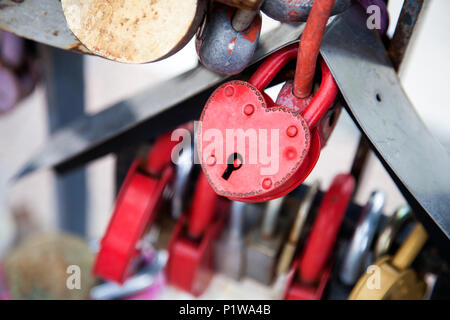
<point x="134" y="31"/>
<point x="242" y="4"/>
<point x="406" y="23"/>
<point x="39" y="20"/>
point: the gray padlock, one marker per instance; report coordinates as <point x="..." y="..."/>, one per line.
<point x="264" y="245"/>
<point x="358" y="250"/>
<point x="230" y="248"/>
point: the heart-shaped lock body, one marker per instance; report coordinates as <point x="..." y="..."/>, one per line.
<point x="252" y="150"/>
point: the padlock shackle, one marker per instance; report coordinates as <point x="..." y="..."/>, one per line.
<point x="321" y="101"/>
<point x="410" y="249"/>
<point x="203" y="207"/>
<point x="271" y="214"/>
<point x="303" y="212"/>
<point x="326" y="226"/>
<point x="272" y="66"/>
<point x="236" y="222"/>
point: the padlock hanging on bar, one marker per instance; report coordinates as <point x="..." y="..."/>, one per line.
<point x="243" y="105"/>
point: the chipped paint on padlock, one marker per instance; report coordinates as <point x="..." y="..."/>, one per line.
<point x="297" y="10"/>
<point x="222" y="49"/>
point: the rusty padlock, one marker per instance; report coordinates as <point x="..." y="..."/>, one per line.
<point x="297" y="10"/>
<point x="134" y="211"/>
<point x="228" y="39"/>
<point x="191" y="258"/>
<point x="311" y="271"/>
<point x="241" y="111"/>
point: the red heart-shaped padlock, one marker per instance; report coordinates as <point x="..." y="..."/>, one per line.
<point x="252" y="150"/>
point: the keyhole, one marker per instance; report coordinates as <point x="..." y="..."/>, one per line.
<point x="234" y="163"/>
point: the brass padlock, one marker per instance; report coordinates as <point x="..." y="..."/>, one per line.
<point x="390" y="278"/>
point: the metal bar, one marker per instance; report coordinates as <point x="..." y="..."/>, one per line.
<point x="416" y="161"/>
<point x="144" y="116"/>
<point x="403" y="32"/>
<point x="65" y="101"/>
<point x="39" y="20"/>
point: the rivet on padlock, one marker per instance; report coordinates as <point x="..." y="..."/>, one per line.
<point x="390" y="277"/>
<point x="229" y="252"/>
<point x="297" y="10"/>
<point x="191" y="256"/>
<point x="311" y="271"/>
<point x="244" y="110"/>
<point x="291" y="246"/>
<point x="354" y="262"/>
<point x="135" y="209"/>
<point x="222" y="45"/>
<point x="264" y="245"/>
<point x="389" y="232"/>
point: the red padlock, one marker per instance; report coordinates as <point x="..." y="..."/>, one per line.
<point x="135" y="209"/>
<point x="190" y="265"/>
<point x="310" y="272"/>
<point x="241" y="110"/>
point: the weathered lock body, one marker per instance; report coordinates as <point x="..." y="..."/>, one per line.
<point x="290" y="247"/>
<point x="390" y="278"/>
<point x="297" y="10"/>
<point x="191" y="249"/>
<point x="311" y="270"/>
<point x="358" y="250"/>
<point x="223" y="49"/>
<point x="135" y="210"/>
<point x="264" y="245"/>
<point x="253" y="150"/>
<point x="230" y="248"/>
